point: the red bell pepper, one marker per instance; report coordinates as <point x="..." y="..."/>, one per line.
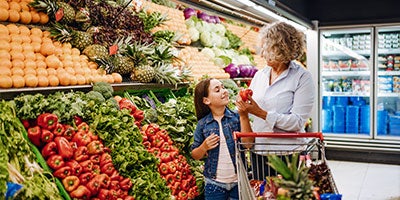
<point x="59" y="130"/>
<point x="87" y="166"/>
<point x="174" y="155"/>
<point x="105" y="194"/>
<point x="115" y="176"/>
<point x="49" y="149"/>
<point x="192" y="193"/>
<point x="95" y="159"/>
<point x="105" y="158"/>
<point x="171" y="167"/>
<point x="156" y="141"/>
<point x="185" y="185"/>
<point x="81" y="154"/>
<point x="177" y="176"/>
<point x="163" y="133"/>
<point x="114" y="185"/>
<point x="95" y="147"/>
<point x="94" y="185"/>
<point x="147" y="144"/>
<point x="62" y="172"/>
<point x="55" y="162"/>
<point x="126" y="184"/>
<point x="47" y="121"/>
<point x="69" y="132"/>
<point x="26" y="123"/>
<point x="96" y="169"/>
<point x="155" y="151"/>
<point x="152" y="129"/>
<point x="169" y="179"/>
<point x="82" y="192"/>
<point x="81" y="138"/>
<point x="85" y="178"/>
<point x="70" y="183"/>
<point x="93" y="136"/>
<point x="73" y="145"/>
<point x="108" y="169"/>
<point x="138" y="115"/>
<point x="47" y="136"/>
<point x="127" y="104"/>
<point x="34" y="134"/>
<point x="104" y="180"/>
<point x="76" y="168"/>
<point x="64" y="148"/>
<point x="165" y="157"/>
<point x="163" y="169"/>
<point x="121" y="193"/>
<point x="182" y="195"/>
<point x="83" y="127"/>
<point x="77" y="120"/>
<point x="144" y="137"/>
<point x="129" y="198"/>
<point x="165" y="146"/>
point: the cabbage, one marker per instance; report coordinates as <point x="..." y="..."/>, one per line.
<point x="219" y="62"/>
<point x="194" y="34"/>
<point x="232" y="70"/>
<point x="243" y="59"/>
<point x="218" y="51"/>
<point x="216" y="40"/>
<point x="190" y="23"/>
<point x="220" y="29"/>
<point x="224" y="43"/>
<point x="205" y="39"/>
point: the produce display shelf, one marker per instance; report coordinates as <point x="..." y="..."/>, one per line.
<point x="346" y="73"/>
<point x="13" y="92"/>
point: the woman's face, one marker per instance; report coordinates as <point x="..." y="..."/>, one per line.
<point x="217" y="94"/>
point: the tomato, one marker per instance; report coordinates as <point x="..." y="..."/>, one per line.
<point x="245" y="94"/>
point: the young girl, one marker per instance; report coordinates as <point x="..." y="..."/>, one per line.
<point x="213" y="138"/>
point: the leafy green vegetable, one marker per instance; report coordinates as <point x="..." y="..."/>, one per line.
<point x="151" y="20"/>
<point x="93" y="95"/>
<point x="234" y="41"/>
<point x="103" y="88"/>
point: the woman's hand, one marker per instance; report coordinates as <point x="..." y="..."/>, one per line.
<point x="211" y="142"/>
<point x="250" y="106"/>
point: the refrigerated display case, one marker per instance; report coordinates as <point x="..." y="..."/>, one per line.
<point x="388" y="82"/>
<point x="346" y="73"/>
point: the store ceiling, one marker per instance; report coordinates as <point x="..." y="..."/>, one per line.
<point x="345" y="12"/>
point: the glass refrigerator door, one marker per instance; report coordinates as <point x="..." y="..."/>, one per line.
<point x="388" y="82"/>
<point x="345" y="81"/>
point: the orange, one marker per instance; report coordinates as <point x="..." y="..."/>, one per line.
<point x="46" y="34"/>
<point x="44" y="18"/>
<point x="5" y="55"/>
<point x="64" y="79"/>
<point x="52" y="61"/>
<point x="36" y="47"/>
<point x="4" y="14"/>
<point x="76" y="58"/>
<point x="47" y="49"/>
<point x="89" y="78"/>
<point x="42" y="72"/>
<point x="17" y="55"/>
<point x="110" y="78"/>
<point x="35" y="17"/>
<point x="46" y="39"/>
<point x="29" y="71"/>
<point x="57" y="44"/>
<point x="83" y="57"/>
<point x="4" y="45"/>
<point x="12" y="28"/>
<point x="77" y="64"/>
<point x="37" y="32"/>
<point x="53" y="80"/>
<point x="18" y="64"/>
<point x="14" y="6"/>
<point x="4" y="29"/>
<point x="41" y="64"/>
<point x="68" y="64"/>
<point x="92" y="65"/>
<point x="67" y="45"/>
<point x="30" y="64"/>
<point x="84" y="65"/>
<point x="15" y="46"/>
<point x="26" y="39"/>
<point x="5" y="81"/>
<point x="65" y="57"/>
<point x="31" y="80"/>
<point x="5" y="71"/>
<point x="4" y="4"/>
<point x="39" y="56"/>
<point x="30" y="55"/>
<point x="117" y="77"/>
<point x="18" y="81"/>
<point x="66" y="50"/>
<point x="75" y="51"/>
<point x="17" y="71"/>
<point x="13" y="16"/>
<point x="58" y="52"/>
<point x="36" y="39"/>
<point x="86" y="70"/>
<point x="16" y="38"/>
<point x="80" y="79"/>
<point x="70" y="70"/>
<point x="60" y="71"/>
<point x="72" y="80"/>
<point x="43" y="81"/>
<point x="24" y="6"/>
<point x="27" y="47"/>
<point x="79" y="70"/>
<point x="5" y="62"/>
<point x="24" y="30"/>
<point x="51" y="71"/>
<point x="5" y="36"/>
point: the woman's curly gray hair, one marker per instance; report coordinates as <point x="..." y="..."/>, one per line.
<point x="281" y="42"/>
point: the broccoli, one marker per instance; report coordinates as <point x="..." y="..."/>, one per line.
<point x="104" y="88"/>
<point x="97" y="96"/>
<point x="111" y="102"/>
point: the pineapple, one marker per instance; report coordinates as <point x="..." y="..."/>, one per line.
<point x="143" y="74"/>
<point x="166" y="74"/>
<point x="95" y="52"/>
<point x="295" y="179"/>
<point x="123" y="65"/>
<point x="52" y="7"/>
<point x="78" y="39"/>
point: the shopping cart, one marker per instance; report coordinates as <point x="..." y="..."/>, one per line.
<point x="309" y="147"/>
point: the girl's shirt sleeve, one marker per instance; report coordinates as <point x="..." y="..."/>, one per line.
<point x="198" y="136"/>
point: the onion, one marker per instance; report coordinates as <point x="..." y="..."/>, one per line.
<point x="253" y="71"/>
<point x="211" y="19"/>
<point x="217" y="20"/>
<point x="189" y="12"/>
<point x="203" y="16"/>
<point x="232" y="70"/>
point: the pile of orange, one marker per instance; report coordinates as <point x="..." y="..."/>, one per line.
<point x="29" y="58"/>
<point x="20" y="11"/>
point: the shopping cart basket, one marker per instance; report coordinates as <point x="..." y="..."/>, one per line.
<point x="309" y="146"/>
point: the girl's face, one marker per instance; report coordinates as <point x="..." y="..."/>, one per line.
<point x="217" y="94"/>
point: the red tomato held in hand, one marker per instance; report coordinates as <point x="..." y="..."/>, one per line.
<point x="245" y="94"/>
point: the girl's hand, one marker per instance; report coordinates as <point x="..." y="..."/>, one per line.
<point x="241" y="106"/>
<point x="211" y="142"/>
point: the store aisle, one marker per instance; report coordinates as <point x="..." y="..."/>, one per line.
<point x="366" y="181"/>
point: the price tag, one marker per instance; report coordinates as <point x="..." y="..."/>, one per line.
<point x="59" y="14"/>
<point x="113" y="49"/>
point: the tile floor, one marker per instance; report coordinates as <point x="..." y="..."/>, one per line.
<point x="366" y="181"/>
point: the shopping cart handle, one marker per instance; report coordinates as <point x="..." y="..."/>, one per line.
<point x="279" y="135"/>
